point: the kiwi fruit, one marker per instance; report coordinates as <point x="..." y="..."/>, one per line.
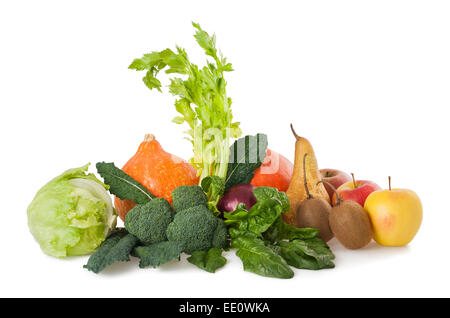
<point x="314" y="212"/>
<point x="350" y="223"/>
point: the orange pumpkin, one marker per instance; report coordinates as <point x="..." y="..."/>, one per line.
<point x="158" y="171"/>
<point x="275" y="171"/>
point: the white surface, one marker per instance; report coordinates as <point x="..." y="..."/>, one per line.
<point x="367" y="82"/>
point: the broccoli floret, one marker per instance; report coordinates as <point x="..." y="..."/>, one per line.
<point x="116" y="248"/>
<point x="220" y="234"/>
<point x="197" y="229"/>
<point x="185" y="197"/>
<point x="149" y="221"/>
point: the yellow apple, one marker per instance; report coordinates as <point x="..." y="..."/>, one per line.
<point x="396" y="215"/>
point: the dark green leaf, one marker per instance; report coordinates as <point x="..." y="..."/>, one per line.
<point x="282" y="231"/>
<point x="213" y="186"/>
<point x="209" y="261"/>
<point x="271" y="203"/>
<point x="235" y="232"/>
<point x="269" y="193"/>
<point x="116" y="248"/>
<point x="308" y="254"/>
<point x="260" y="259"/>
<point x="157" y="254"/>
<point x="122" y="185"/>
<point x="246" y="155"/>
<point x="238" y="215"/>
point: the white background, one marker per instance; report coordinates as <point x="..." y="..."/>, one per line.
<point x="367" y="82"/>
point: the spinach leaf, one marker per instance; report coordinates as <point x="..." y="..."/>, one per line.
<point x="122" y="185"/>
<point x="157" y="254"/>
<point x="308" y="254"/>
<point x="283" y="231"/>
<point x="209" y="261"/>
<point x="238" y="217"/>
<point x="267" y="193"/>
<point x="268" y="208"/>
<point x="246" y="155"/>
<point x="260" y="259"/>
<point x="270" y="204"/>
<point x="260" y="236"/>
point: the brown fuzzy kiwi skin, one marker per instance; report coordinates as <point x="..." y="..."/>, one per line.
<point x="315" y="213"/>
<point x="351" y="225"/>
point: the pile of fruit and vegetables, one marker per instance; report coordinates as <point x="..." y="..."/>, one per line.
<point x="233" y="194"/>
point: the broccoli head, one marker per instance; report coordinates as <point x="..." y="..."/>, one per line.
<point x="197" y="229"/>
<point x="220" y="235"/>
<point x="185" y="197"/>
<point x="149" y="221"/>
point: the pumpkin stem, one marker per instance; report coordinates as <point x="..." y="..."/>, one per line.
<point x="149" y="137"/>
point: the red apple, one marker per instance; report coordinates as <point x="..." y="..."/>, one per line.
<point x="356" y="190"/>
<point x="335" y="177"/>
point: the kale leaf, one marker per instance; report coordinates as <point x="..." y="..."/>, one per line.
<point x="116" y="248"/>
<point x="246" y="155"/>
<point x="122" y="185"/>
<point x="157" y="254"/>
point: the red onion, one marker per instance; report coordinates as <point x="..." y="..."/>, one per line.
<point x="241" y="193"/>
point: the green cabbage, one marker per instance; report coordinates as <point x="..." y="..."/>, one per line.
<point x="72" y="214"/>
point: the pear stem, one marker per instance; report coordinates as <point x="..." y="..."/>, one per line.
<point x="309" y="196"/>
<point x="354" y="182"/>
<point x="339" y="199"/>
<point x="295" y="134"/>
<point x="389" y="178"/>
